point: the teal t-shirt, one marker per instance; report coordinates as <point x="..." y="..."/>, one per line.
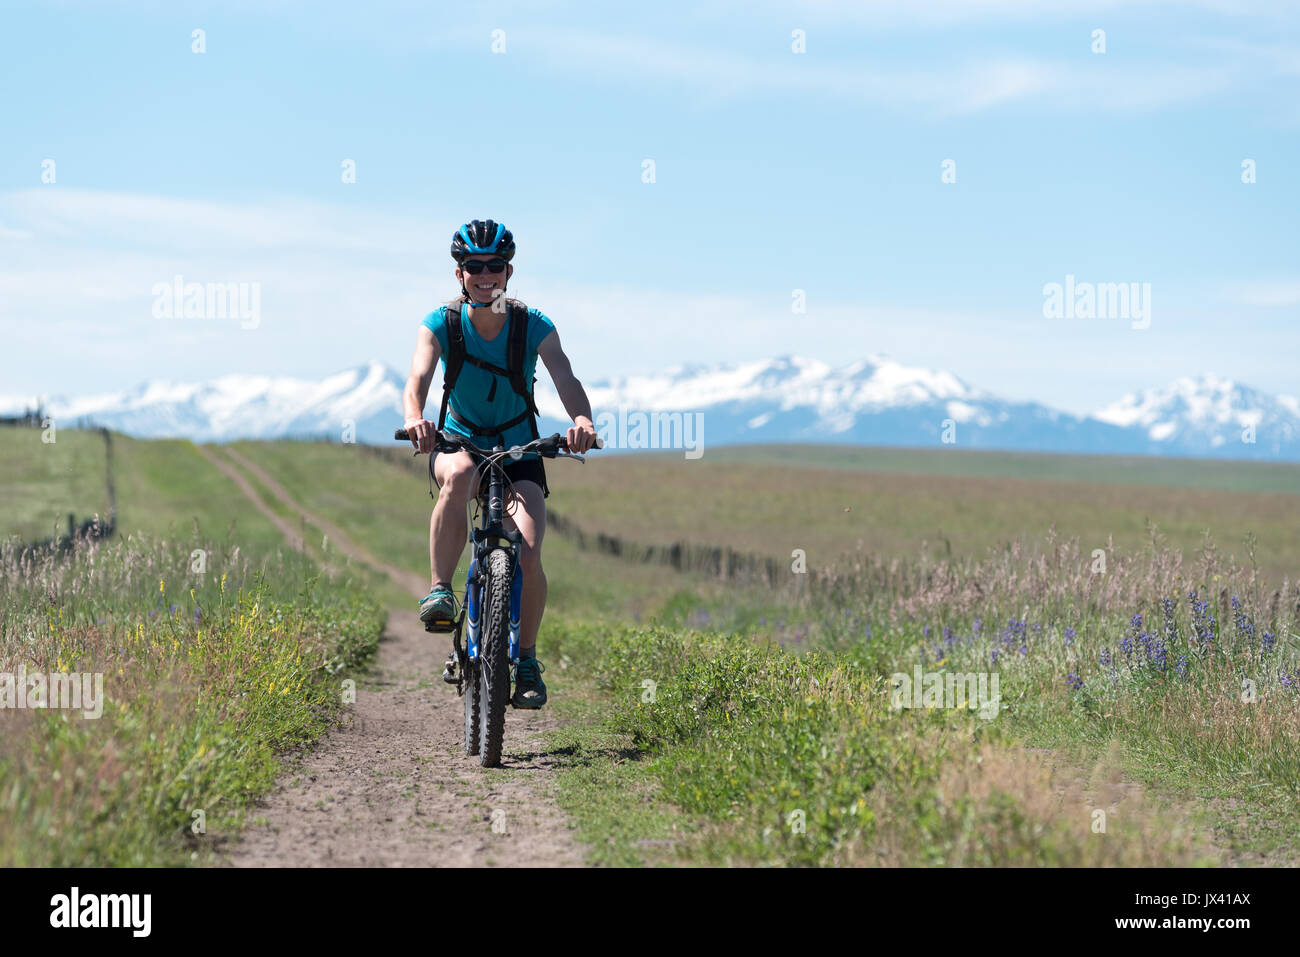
<point x="470" y="395"/>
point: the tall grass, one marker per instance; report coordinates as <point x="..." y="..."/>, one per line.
<point x="799" y="760"/>
<point x="770" y="702"/>
<point x="214" y="663"/>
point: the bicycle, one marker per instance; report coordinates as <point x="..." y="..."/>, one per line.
<point x="490" y="613"/>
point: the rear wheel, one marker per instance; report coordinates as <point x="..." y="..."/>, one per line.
<point x="494" y="655"/>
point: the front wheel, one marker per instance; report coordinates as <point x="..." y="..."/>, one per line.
<point x="471" y="679"/>
<point x="494" y="654"/>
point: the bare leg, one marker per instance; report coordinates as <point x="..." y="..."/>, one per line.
<point x="448" y="526"/>
<point x="526" y="511"/>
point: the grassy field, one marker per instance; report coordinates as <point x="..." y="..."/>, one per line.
<point x="45" y="481"/>
<point x="1126" y="728"/>
<point x="711" y="722"/>
<point x="217" y="651"/>
<point x="1224" y="475"/>
<point x="767" y="507"/>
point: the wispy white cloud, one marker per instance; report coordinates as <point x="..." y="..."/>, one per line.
<point x="164" y="222"/>
<point x="931" y="13"/>
<point x="715" y="74"/>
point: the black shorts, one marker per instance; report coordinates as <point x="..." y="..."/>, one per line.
<point x="527" y="470"/>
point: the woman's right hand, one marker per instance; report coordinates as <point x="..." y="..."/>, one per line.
<point x="422" y="434"/>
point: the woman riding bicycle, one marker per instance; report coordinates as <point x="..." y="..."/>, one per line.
<point x="490" y="403"/>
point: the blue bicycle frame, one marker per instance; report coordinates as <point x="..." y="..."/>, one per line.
<point x="473" y="604"/>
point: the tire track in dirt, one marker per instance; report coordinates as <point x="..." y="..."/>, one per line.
<point x="393" y="786"/>
<point x="417" y="585"/>
<point x="291" y="536"/>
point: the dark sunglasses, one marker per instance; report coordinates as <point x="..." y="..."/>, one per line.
<point x="476" y="266"/>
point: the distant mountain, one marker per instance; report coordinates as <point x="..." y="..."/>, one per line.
<point x="1209" y="416"/>
<point x="874" y="401"/>
<point x="367" y="397"/>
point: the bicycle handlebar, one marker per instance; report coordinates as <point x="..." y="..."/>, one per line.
<point x="560" y="442"/>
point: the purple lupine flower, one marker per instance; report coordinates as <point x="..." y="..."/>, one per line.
<point x="1182" y="666"/>
<point x="1269" y="640"/>
<point x="1074" y="681"/>
<point x="1069" y="634"/>
<point x="1240" y="621"/>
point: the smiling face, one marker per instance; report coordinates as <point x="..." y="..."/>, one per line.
<point x="483" y="287"/>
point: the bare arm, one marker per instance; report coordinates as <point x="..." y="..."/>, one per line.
<point x="416" y="392"/>
<point x="582" y="434"/>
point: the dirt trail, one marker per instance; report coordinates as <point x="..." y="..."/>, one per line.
<point x="393" y="786"/>
<point x="291" y="536"/>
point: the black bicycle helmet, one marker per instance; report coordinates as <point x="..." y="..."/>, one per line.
<point x="481" y="237"/>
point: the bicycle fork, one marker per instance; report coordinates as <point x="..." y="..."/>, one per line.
<point x="473" y="605"/>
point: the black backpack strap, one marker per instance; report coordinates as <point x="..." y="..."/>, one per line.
<point x="516" y="347"/>
<point x="453" y="360"/>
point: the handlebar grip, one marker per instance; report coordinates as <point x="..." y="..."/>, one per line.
<point x="401" y="436"/>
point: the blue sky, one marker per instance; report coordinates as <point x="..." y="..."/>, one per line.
<point x="774" y="171"/>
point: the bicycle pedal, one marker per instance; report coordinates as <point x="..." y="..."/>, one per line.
<point x="440" y="625"/>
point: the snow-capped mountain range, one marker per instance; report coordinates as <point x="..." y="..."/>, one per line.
<point x="875" y="401"/>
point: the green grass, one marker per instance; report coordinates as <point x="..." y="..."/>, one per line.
<point x="383" y="509"/>
<point x="198" y="707"/>
<point x="776" y="758"/>
<point x="1232" y="476"/>
<point x="772" y="508"/>
<point x="375" y="582"/>
<point x="166" y="488"/>
<point x="44" y="482"/>
<point x="607" y="789"/>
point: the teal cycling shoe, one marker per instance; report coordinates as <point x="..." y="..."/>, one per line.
<point x="530" y="689"/>
<point x="438" y="610"/>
